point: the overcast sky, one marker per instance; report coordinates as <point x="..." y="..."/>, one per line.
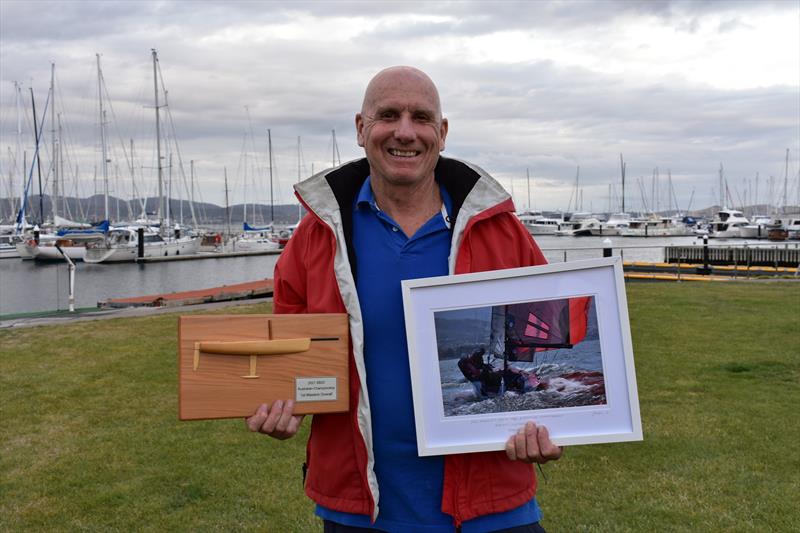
<point x="680" y="87"/>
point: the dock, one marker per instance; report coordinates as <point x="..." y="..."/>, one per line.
<point x="688" y="271"/>
<point x="239" y="291"/>
<point x="205" y="255"/>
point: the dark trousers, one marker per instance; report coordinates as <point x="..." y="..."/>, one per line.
<point x="333" y="527"/>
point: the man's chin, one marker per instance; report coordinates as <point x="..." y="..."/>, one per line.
<point x="405" y="178"/>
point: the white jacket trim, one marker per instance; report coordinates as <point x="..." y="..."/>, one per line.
<point x="486" y="193"/>
<point x="318" y="196"/>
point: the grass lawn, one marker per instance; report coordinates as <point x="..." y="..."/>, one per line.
<point x="90" y="438"/>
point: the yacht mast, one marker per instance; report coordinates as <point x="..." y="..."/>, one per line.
<point x="271" y="203"/>
<point x="103" y="148"/>
<point x="335" y="150"/>
<point x="18" y="163"/>
<point x="227" y="205"/>
<point x="299" y="164"/>
<point x="622" y="171"/>
<point x="528" y="174"/>
<point x="158" y="148"/>
<point x="786" y="182"/>
<point x="53" y="153"/>
<point x="38" y="136"/>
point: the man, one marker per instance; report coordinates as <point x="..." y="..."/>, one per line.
<point x="403" y="212"/>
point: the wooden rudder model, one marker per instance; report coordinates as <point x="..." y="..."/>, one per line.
<point x="230" y="364"/>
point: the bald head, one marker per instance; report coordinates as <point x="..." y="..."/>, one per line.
<point x="401" y="129"/>
<point x="404" y="78"/>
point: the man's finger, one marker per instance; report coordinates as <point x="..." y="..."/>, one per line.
<point x="255" y="422"/>
<point x="294" y="425"/>
<point x="272" y="419"/>
<point x="548" y="450"/>
<point x="533" y="452"/>
<point x="286" y="417"/>
<point x="511" y="448"/>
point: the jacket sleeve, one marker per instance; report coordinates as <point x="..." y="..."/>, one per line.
<point x="290" y="288"/>
<point x="497" y="243"/>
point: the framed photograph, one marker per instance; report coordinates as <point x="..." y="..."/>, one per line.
<point x="492" y="350"/>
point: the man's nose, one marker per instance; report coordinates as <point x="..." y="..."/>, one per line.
<point x="404" y="131"/>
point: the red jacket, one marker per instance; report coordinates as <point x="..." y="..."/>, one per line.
<point x="315" y="275"/>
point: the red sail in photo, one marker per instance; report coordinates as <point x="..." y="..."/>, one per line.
<point x="544" y="325"/>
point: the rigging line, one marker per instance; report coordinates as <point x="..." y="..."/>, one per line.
<point x="33" y="164"/>
<point x="174" y="132"/>
<point x="110" y="106"/>
<point x="259" y="165"/>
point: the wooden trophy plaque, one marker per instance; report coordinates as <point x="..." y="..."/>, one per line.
<point x="228" y="365"/>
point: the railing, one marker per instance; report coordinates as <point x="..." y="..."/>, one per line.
<point x="734" y="255"/>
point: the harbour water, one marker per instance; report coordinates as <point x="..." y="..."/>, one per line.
<point x="28" y="286"/>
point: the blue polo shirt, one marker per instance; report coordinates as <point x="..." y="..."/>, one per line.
<point x="410" y="486"/>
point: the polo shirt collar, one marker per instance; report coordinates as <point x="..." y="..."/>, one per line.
<point x="366" y="197"/>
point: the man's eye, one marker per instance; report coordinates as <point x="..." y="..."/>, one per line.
<point x="422" y="117"/>
<point x="387" y="115"/>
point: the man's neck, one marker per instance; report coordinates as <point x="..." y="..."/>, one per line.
<point x="410" y="206"/>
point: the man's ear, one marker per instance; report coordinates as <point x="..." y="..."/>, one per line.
<point x="443" y="134"/>
<point x="360" y="129"/>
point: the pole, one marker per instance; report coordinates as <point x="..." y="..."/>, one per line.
<point x="158" y="148"/>
<point x="38" y="159"/>
<point x="54" y="163"/>
<point x="622" y="170"/>
<point x="140" y="242"/>
<point x="191" y="180"/>
<point x="102" y="138"/>
<point x="786" y="182"/>
<point x="20" y="157"/>
<point x="227" y="208"/>
<point x="299" y="163"/>
<point x="705" y="269"/>
<point x="71" y="299"/>
<point x="271" y="202"/>
<point x="528" y="173"/>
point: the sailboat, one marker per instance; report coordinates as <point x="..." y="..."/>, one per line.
<point x="64" y="237"/>
<point x="518" y="333"/>
<point x="130" y="242"/>
<point x="260" y="238"/>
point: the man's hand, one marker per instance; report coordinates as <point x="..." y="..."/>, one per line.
<point x="532" y="444"/>
<point x="277" y="422"/>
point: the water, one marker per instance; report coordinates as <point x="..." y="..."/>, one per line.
<point x="28" y="286"/>
<point x="650" y="249"/>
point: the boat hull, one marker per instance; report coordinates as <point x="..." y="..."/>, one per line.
<point x="130" y="252"/>
<point x="51" y="253"/>
<point x="8" y="252"/>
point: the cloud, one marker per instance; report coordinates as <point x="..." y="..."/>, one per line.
<point x="544" y="85"/>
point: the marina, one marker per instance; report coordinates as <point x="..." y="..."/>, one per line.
<point x="32" y="286"/>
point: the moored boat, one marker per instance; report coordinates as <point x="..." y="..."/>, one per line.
<point x="122" y="244"/>
<point x="727" y="224"/>
<point x="538" y="224"/>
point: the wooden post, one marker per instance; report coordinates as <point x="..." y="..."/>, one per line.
<point x="607" y="247"/>
<point x="140" y="242"/>
<point x="705" y="269"/>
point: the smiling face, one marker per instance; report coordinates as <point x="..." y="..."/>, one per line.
<point x="401" y="126"/>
